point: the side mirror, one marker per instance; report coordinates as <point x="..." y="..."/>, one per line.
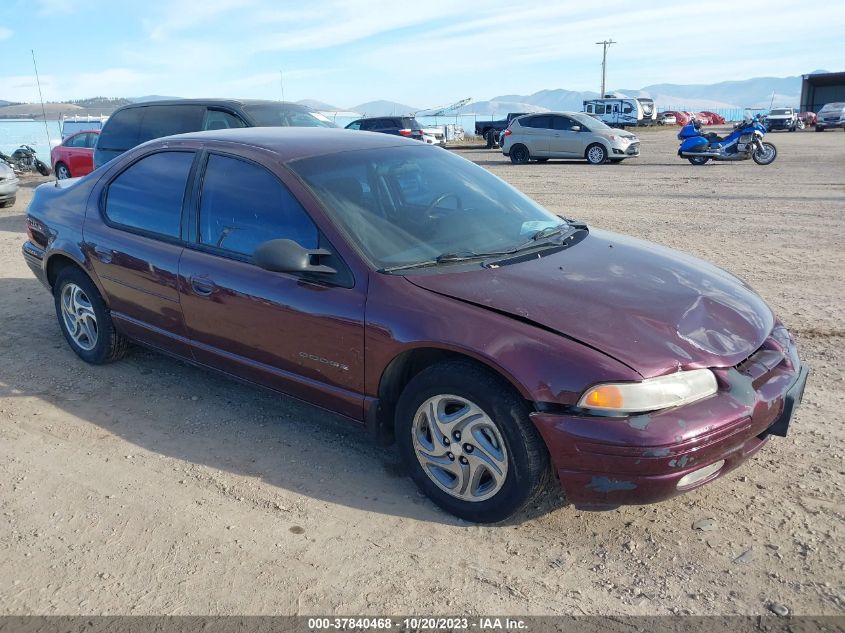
<point x="575" y="128"/>
<point x="286" y="256"/>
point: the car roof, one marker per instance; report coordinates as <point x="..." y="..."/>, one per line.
<point x="292" y="143"/>
<point x="230" y="103"/>
<point x="386" y="116"/>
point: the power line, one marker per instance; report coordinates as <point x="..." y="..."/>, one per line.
<point x="604" y="45"/>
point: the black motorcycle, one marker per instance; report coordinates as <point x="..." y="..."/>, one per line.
<point x="24" y="159"/>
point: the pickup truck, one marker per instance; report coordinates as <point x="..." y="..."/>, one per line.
<point x="490" y="130"/>
<point x="783" y="119"/>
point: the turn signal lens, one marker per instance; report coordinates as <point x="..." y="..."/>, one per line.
<point x="604" y="397"/>
<point x="652" y="394"/>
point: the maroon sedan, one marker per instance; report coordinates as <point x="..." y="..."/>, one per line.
<point x="423" y="298"/>
<point x="75" y="156"/>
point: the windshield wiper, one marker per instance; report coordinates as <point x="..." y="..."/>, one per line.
<point x="447" y="258"/>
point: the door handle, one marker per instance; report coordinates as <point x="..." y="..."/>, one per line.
<point x="202" y="287"/>
<point x="105" y="255"/>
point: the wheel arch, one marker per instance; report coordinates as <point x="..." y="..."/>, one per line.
<point x="600" y="144"/>
<point x="57" y="260"/>
<point x="410" y="362"/>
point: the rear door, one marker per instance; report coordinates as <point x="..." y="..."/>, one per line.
<point x="81" y="156"/>
<point x="133" y="236"/>
<point x="536" y="132"/>
<point x="300" y="335"/>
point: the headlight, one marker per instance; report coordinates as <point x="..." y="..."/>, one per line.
<point x="650" y="394"/>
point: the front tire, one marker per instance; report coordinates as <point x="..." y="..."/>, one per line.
<point x="468" y="442"/>
<point x="85" y="320"/>
<point x="767" y="156"/>
<point x="490" y="137"/>
<point x="62" y="171"/>
<point x="819" y="129"/>
<point x="596" y="154"/>
<point x="519" y="154"/>
<point x="42" y="169"/>
<point x="698" y="160"/>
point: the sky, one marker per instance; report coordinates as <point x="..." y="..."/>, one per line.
<point x="424" y="54"/>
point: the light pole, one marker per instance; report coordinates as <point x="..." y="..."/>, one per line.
<point x="604" y="45"/>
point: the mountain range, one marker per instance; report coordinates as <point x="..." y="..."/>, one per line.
<point x="758" y="92"/>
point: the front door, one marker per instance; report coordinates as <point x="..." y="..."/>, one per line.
<point x="564" y="142"/>
<point x="132" y="235"/>
<point x="302" y="336"/>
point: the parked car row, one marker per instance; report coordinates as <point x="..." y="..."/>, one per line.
<point x="406" y="126"/>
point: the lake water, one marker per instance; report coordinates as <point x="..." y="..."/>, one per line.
<point x="15" y="132"/>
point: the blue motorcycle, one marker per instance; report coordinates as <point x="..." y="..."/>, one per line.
<point x="745" y="142"/>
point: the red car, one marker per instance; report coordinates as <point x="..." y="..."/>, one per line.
<point x="75" y="156"/>
<point x="420" y="296"/>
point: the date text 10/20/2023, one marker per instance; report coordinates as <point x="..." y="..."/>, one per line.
<point x="418" y="623"/>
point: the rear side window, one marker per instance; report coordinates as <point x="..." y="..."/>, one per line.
<point x="161" y="121"/>
<point x="372" y="124"/>
<point x="77" y="141"/>
<point x="243" y="205"/>
<point x="121" y="131"/>
<point x="411" y="123"/>
<point x="355" y="125"/>
<point x="537" y="122"/>
<point x="148" y="195"/>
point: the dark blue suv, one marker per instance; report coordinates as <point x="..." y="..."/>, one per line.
<point x="398" y="125"/>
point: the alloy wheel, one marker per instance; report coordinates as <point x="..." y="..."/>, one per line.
<point x="79" y="317"/>
<point x="62" y="172"/>
<point x="459" y="447"/>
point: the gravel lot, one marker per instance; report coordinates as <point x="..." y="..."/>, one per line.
<point x="151" y="487"/>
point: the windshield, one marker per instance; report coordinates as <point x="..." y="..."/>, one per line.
<point x="594" y="125"/>
<point x="273" y="115"/>
<point x="833" y="106"/>
<point x="408" y="205"/>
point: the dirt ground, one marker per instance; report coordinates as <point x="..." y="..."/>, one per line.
<point x="151" y="487"/>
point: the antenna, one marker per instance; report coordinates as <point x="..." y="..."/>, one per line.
<point x="43" y="110"/>
<point x="604" y="44"/>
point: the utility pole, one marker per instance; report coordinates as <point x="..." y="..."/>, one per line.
<point x="604" y="45"/>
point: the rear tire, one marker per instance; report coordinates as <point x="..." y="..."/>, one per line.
<point x="8" y="203"/>
<point x="519" y="154"/>
<point x="500" y="458"/>
<point x="490" y="137"/>
<point x="596" y="154"/>
<point x="85" y="320"/>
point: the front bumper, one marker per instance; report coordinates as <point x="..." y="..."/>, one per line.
<point x="605" y="462"/>
<point x="830" y="124"/>
<point x="8" y="189"/>
<point x="618" y="150"/>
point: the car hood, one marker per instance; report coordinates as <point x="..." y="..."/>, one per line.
<point x="650" y="307"/>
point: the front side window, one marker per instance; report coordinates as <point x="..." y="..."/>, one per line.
<point x="220" y="120"/>
<point x="243" y="205"/>
<point x="405" y="205"/>
<point x="77" y="141"/>
<point x="149" y="194"/>
<point x="280" y="115"/>
<point x="91" y="140"/>
<point x="355" y="125"/>
<point x="562" y="123"/>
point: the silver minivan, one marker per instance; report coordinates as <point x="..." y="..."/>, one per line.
<point x="832" y="115"/>
<point x="567" y="135"/>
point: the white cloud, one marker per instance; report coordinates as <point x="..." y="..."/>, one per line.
<point x="5" y="33"/>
